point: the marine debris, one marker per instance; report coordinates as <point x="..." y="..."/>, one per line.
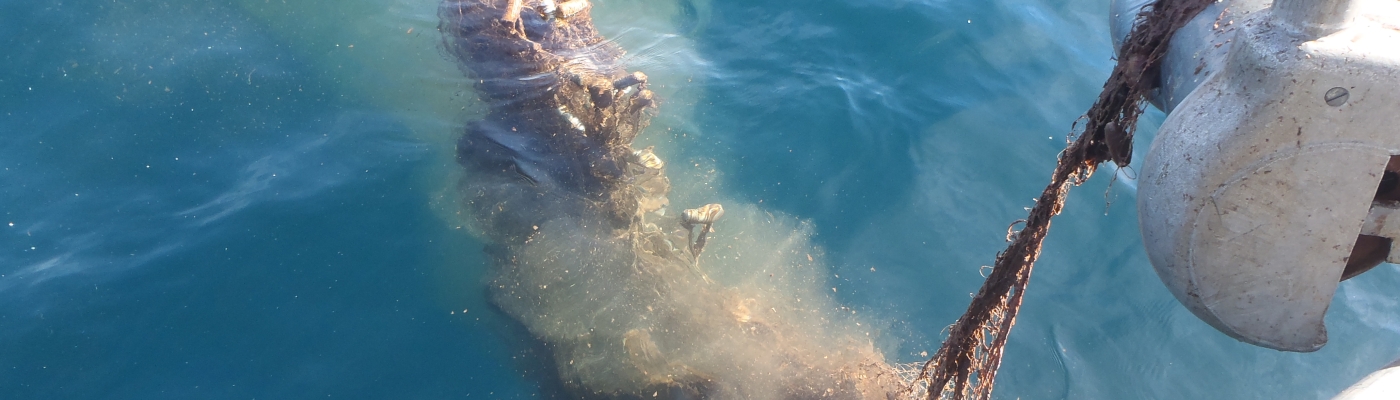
<point x="965" y="366"/>
<point x="585" y="255"/>
<point x="705" y="217"/>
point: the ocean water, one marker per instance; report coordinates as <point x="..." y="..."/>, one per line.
<point x="255" y="198"/>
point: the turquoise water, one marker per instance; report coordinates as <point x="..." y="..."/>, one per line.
<point x="254" y="199"/>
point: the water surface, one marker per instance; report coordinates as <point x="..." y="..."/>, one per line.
<point x="254" y="199"/>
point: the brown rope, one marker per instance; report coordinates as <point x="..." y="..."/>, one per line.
<point x="965" y="366"/>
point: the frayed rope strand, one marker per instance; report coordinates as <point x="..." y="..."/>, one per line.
<point x="965" y="366"/>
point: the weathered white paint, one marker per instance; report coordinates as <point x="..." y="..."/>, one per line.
<point x="1255" y="188"/>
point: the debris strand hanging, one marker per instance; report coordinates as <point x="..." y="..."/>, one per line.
<point x="965" y="366"/>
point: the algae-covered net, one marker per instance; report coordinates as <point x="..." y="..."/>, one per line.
<point x="965" y="366"/>
<point x="591" y="258"/>
<point x="588" y="260"/>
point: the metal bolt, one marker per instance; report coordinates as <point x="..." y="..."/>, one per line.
<point x="1336" y="96"/>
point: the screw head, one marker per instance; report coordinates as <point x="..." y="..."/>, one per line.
<point x="1336" y="96"/>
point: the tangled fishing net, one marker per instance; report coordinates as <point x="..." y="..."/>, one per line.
<point x="965" y="366"/>
<point x="588" y="261"/>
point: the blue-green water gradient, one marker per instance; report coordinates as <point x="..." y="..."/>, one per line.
<point x="254" y="199"/>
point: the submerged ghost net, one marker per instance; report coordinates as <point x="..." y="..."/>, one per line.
<point x="586" y="255"/>
<point x="965" y="367"/>
<point x="587" y="258"/>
